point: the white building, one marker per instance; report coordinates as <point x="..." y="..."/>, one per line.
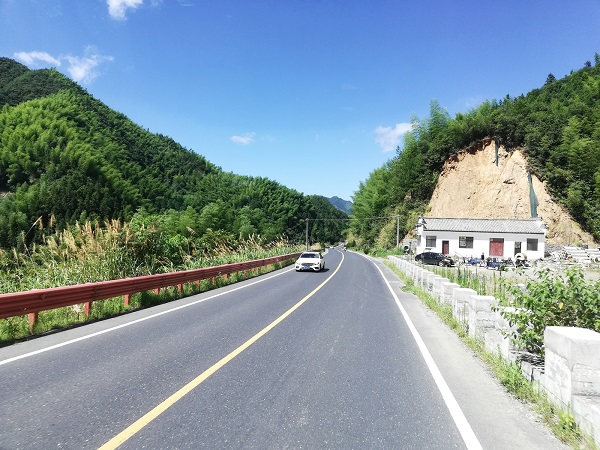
<point x="500" y="238"/>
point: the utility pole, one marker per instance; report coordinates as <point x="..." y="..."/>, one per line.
<point x="398" y="231"/>
<point x="307" y="234"/>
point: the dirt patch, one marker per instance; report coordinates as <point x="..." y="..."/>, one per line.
<point x="472" y="186"/>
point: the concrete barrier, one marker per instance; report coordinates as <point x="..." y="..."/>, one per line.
<point x="571" y="372"/>
<point x="447" y="294"/>
<point x="437" y="286"/>
<point x="460" y="304"/>
<point x="480" y="316"/>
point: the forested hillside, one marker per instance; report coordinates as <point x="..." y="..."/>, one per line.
<point x="557" y="126"/>
<point x="67" y="157"/>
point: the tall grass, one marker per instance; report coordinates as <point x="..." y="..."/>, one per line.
<point x="476" y="278"/>
<point x="91" y="252"/>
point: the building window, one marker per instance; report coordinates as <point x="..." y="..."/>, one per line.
<point x="430" y="241"/>
<point x="532" y="245"/>
<point x="465" y="241"/>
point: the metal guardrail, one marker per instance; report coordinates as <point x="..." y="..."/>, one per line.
<point x="36" y="300"/>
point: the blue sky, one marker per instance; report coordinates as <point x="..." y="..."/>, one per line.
<point x="314" y="94"/>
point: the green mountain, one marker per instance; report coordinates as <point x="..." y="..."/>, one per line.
<point x="67" y="157"/>
<point x="557" y="126"/>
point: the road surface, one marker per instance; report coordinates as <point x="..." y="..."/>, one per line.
<point x="336" y="359"/>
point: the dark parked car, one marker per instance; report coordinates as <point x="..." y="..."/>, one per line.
<point x="434" y="258"/>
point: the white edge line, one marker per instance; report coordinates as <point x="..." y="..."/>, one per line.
<point x="108" y="330"/>
<point x="460" y="420"/>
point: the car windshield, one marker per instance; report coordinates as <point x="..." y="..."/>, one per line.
<point x="308" y="255"/>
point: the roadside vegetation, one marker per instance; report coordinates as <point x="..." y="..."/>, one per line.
<point x="91" y="252"/>
<point x="550" y="299"/>
<point x="532" y="302"/>
<point x="508" y="374"/>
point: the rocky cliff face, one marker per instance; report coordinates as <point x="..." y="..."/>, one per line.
<point x="472" y="186"/>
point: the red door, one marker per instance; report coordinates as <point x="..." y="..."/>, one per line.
<point x="445" y="247"/>
<point x="496" y="247"/>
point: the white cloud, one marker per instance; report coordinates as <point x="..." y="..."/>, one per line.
<point x="81" y="69"/>
<point x="389" y="138"/>
<point x="33" y="58"/>
<point x="244" y="139"/>
<point x="118" y="8"/>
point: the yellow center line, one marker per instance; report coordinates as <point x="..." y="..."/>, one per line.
<point x="135" y="427"/>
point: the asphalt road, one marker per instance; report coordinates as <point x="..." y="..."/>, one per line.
<point x="337" y="359"/>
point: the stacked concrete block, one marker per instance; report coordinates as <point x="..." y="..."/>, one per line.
<point x="417" y="275"/>
<point x="460" y="303"/>
<point x="437" y="286"/>
<point x="594" y="254"/>
<point x="572" y="362"/>
<point x="429" y="282"/>
<point x="421" y="277"/>
<point x="572" y="374"/>
<point x="481" y="318"/>
<point x="447" y="294"/>
<point x="578" y="255"/>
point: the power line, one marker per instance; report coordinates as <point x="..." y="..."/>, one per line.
<point x="397" y="217"/>
<point x="352" y="218"/>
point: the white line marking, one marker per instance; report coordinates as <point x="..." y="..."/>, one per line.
<point x="460" y="420"/>
<point x="98" y="333"/>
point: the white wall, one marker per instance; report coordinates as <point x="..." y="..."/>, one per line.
<point x="481" y="243"/>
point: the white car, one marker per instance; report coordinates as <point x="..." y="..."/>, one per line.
<point x="310" y="261"/>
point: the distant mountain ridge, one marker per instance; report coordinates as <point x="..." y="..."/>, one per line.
<point x="341" y="204"/>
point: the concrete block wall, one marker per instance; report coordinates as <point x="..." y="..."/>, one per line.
<point x="571" y="373"/>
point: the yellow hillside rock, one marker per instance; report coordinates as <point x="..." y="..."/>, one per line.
<point x="472" y="186"/>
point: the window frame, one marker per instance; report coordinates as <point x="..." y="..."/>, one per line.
<point x="466" y="240"/>
<point x="532" y="244"/>
<point x="428" y="240"/>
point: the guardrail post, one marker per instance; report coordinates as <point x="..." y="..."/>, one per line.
<point x="126" y="299"/>
<point x="180" y="287"/>
<point x="33" y="318"/>
<point x="87" y="307"/>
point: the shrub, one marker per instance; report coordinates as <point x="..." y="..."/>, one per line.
<point x="551" y="300"/>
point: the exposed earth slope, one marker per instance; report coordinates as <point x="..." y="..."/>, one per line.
<point x="471" y="185"/>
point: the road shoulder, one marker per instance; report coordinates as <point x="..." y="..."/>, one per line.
<point x="499" y="420"/>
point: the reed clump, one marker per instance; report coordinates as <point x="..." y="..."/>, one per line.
<point x="91" y="252"/>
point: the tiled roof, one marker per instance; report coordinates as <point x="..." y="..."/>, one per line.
<point x="532" y="226"/>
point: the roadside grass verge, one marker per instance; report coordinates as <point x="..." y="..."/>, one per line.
<point x="508" y="374"/>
